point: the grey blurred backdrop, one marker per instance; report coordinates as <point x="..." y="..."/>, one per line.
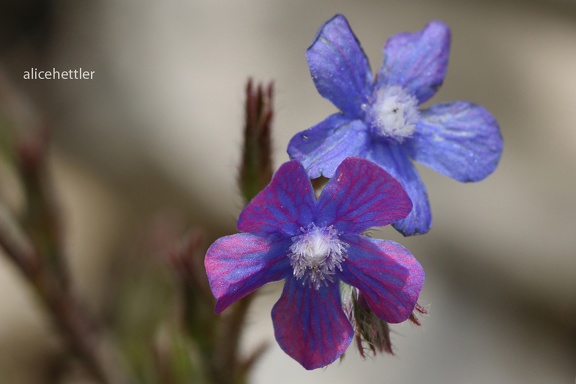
<point x="158" y="130"/>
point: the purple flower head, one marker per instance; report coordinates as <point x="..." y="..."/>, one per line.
<point x="379" y="117"/>
<point x="315" y="245"/>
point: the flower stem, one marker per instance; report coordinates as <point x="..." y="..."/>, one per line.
<point x="227" y="352"/>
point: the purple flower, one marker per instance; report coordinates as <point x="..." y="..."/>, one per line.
<point x="315" y="245"/>
<point x="379" y="117"/>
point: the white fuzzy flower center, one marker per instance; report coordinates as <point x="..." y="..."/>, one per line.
<point x="316" y="254"/>
<point x="394" y="113"/>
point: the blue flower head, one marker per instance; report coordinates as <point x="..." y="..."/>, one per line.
<point x="379" y="117"/>
<point x="315" y="245"/>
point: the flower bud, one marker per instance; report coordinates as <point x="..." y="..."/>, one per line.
<point x="256" y="165"/>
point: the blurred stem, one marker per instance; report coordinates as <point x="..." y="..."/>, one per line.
<point x="41" y="219"/>
<point x="35" y="243"/>
<point x="200" y="321"/>
<point x="72" y="323"/>
<point x="227" y="354"/>
<point x="15" y="245"/>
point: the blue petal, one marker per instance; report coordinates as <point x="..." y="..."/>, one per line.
<point x="361" y="195"/>
<point x="339" y="67"/>
<point x="394" y="159"/>
<point x="284" y="206"/>
<point x="310" y="324"/>
<point x="386" y="273"/>
<point x="238" y="264"/>
<point x="417" y="61"/>
<point x="460" y="140"/>
<point x="322" y="148"/>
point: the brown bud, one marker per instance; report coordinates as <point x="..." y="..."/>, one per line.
<point x="256" y="165"/>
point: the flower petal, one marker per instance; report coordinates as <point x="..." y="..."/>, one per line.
<point x="460" y="140"/>
<point x="238" y="264"/>
<point x="361" y="195"/>
<point x="393" y="158"/>
<point x="386" y="273"/>
<point x="322" y="148"/>
<point x="339" y="67"/>
<point x="417" y="61"/>
<point x="310" y="324"/>
<point x="284" y="206"/>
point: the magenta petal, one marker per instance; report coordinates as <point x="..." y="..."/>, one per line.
<point x="361" y="195"/>
<point x="339" y="67"/>
<point x="238" y="264"/>
<point x="284" y="206"/>
<point x="460" y="140"/>
<point x="323" y="147"/>
<point x="386" y="273"/>
<point x="417" y="61"/>
<point x="310" y="324"/>
<point x="394" y="159"/>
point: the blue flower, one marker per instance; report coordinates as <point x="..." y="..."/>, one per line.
<point x="315" y="245"/>
<point x="379" y="117"/>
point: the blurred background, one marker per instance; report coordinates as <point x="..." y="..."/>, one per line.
<point x="153" y="141"/>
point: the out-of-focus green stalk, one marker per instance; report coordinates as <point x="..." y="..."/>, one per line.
<point x="34" y="240"/>
<point x="41" y="219"/>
